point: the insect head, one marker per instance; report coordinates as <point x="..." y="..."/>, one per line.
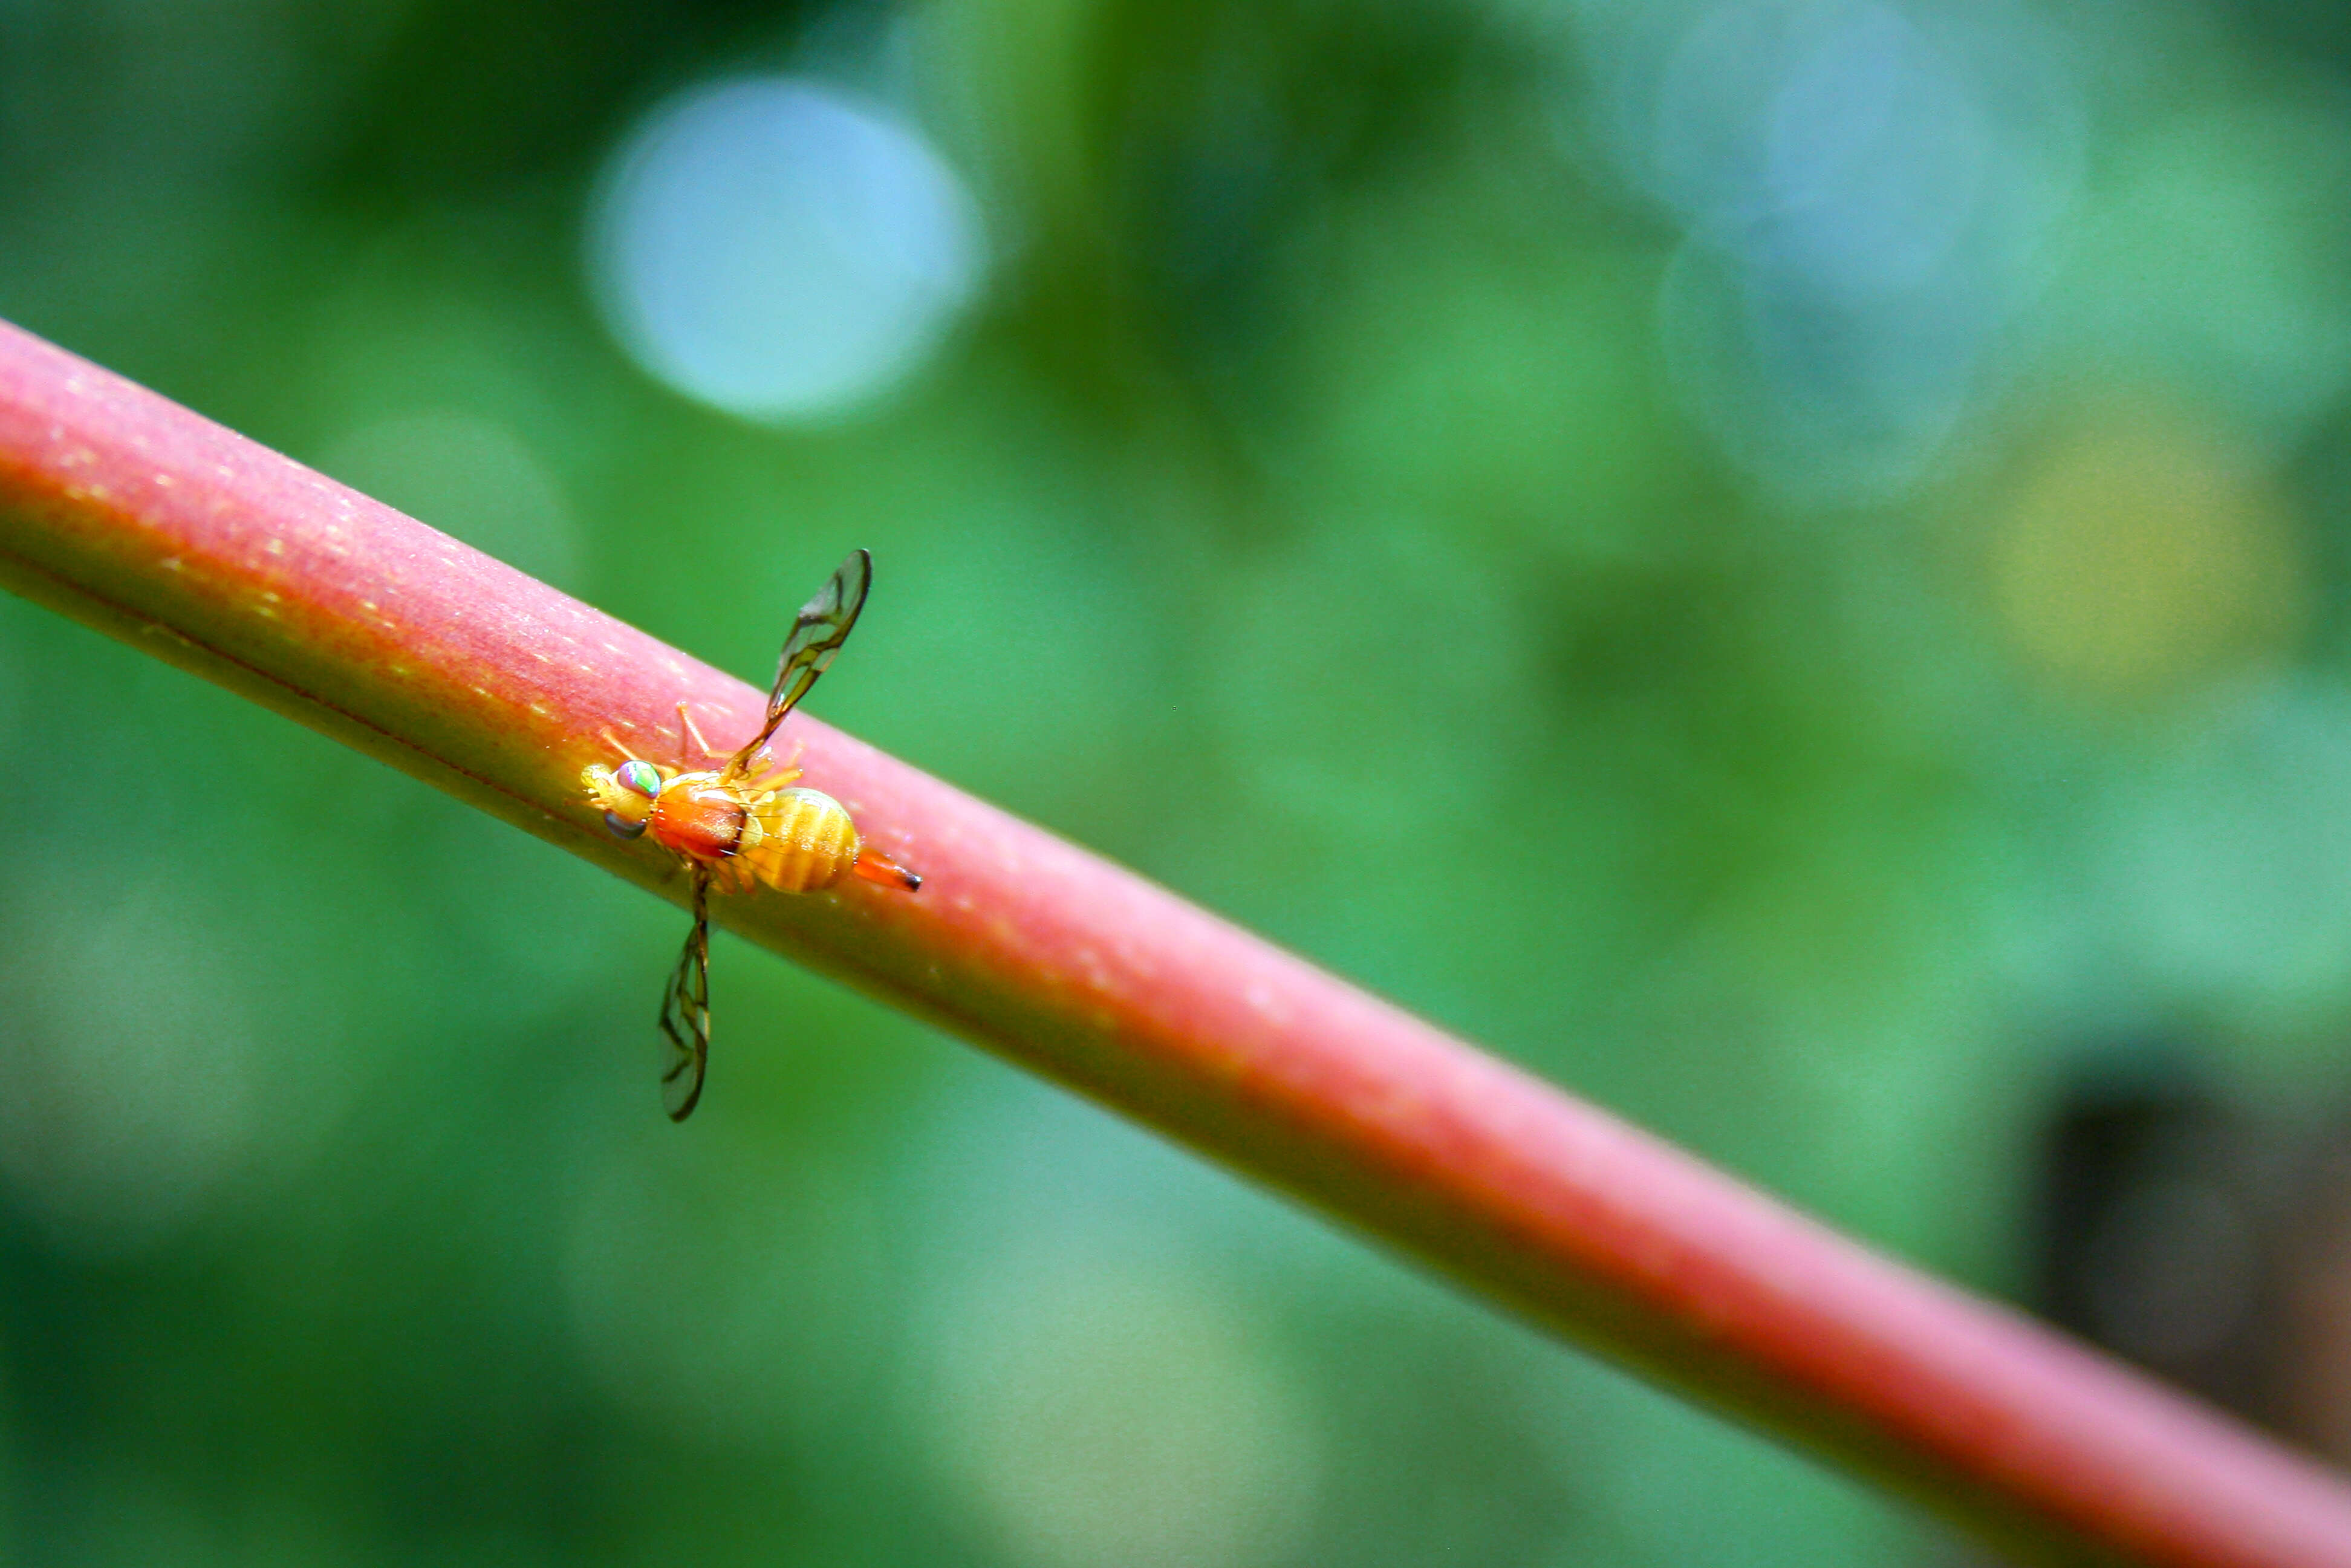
<point x="626" y="793"/>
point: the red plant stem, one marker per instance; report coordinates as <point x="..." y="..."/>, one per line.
<point x="135" y="515"/>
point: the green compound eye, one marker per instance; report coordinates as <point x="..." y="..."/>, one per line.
<point x="642" y="777"/>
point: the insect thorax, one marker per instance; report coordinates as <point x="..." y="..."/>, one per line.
<point x="699" y="817"/>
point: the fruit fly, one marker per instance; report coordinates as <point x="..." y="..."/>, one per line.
<point x="744" y="824"/>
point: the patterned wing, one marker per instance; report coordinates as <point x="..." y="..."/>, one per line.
<point x="685" y="1011"/>
<point x="817" y="635"/>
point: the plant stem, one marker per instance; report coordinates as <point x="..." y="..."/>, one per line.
<point x="134" y="515"/>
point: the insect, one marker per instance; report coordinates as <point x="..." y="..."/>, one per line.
<point x="744" y="824"/>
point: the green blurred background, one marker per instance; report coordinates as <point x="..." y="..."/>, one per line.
<point x="1779" y="563"/>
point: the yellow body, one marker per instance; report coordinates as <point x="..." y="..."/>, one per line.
<point x="792" y="839"/>
<point x="796" y="841"/>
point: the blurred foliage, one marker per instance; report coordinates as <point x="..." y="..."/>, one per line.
<point x="1779" y="563"/>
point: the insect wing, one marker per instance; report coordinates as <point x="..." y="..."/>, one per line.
<point x="685" y="1013"/>
<point x="817" y="635"/>
<point x="821" y="627"/>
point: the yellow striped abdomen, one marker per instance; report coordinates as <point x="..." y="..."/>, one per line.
<point x="798" y="840"/>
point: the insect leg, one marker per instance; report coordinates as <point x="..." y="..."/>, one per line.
<point x="685" y="1011"/>
<point x="685" y="720"/>
<point x="756" y="778"/>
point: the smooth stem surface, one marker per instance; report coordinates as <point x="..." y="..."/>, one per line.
<point x="129" y="513"/>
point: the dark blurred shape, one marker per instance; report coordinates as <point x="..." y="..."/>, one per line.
<point x="2154" y="1237"/>
<point x="2208" y="1241"/>
<point x="2205" y="1239"/>
<point x="2309" y="1393"/>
